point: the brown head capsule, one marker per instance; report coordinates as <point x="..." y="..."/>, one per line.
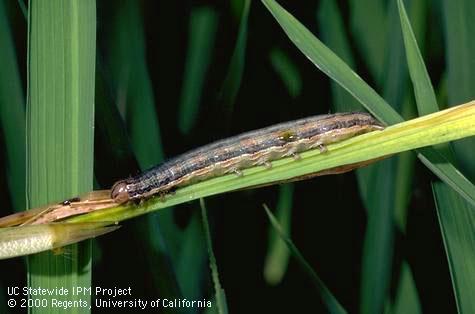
<point x="120" y="192"/>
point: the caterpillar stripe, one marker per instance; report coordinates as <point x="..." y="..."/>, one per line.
<point x="259" y="147"/>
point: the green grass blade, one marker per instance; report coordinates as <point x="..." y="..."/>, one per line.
<point x="456" y="218"/>
<point x="232" y="81"/>
<point x="328" y="298"/>
<point x="203" y="25"/>
<point x="403" y="188"/>
<point x="201" y="37"/>
<point x="370" y="33"/>
<point x="442" y="91"/>
<point x="444" y="169"/>
<point x="61" y="66"/>
<point x="339" y="71"/>
<point x="407" y="298"/>
<point x="191" y="259"/>
<point x="379" y="237"/>
<point x="287" y="71"/>
<point x="12" y="114"/>
<point x="329" y="63"/>
<point x="460" y="48"/>
<point x="23" y="8"/>
<point x="386" y="183"/>
<point x="134" y="87"/>
<point x="277" y="258"/>
<point x="333" y="35"/>
<point x="395" y="74"/>
<point x="428" y="130"/>
<point x="406" y="161"/>
<point x="111" y="140"/>
<point x="29" y="239"/>
<point x="220" y="295"/>
<point x="423" y="90"/>
<point x="135" y="93"/>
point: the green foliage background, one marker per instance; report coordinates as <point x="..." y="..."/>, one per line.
<point x="174" y="75"/>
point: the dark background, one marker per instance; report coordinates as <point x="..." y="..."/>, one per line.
<point x="328" y="218"/>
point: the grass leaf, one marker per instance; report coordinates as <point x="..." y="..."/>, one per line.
<point x="370" y="33"/>
<point x="203" y="25"/>
<point x="332" y="65"/>
<point x="277" y="258"/>
<point x="328" y="298"/>
<point x="460" y="48"/>
<point x="220" y="295"/>
<point x="333" y="35"/>
<point x="379" y="237"/>
<point x="339" y="71"/>
<point x="456" y="219"/>
<point x="428" y="130"/>
<point x="135" y="94"/>
<point x="134" y="87"/>
<point x="232" y="81"/>
<point x="60" y="112"/>
<point x="423" y="90"/>
<point x="287" y="71"/>
<point x="407" y="298"/>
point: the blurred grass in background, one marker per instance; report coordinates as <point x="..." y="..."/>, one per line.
<point x="174" y="75"/>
